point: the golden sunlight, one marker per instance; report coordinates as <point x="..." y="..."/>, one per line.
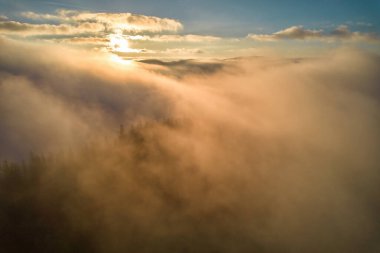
<point x="147" y="126"/>
<point x="119" y="60"/>
<point x="118" y="43"/>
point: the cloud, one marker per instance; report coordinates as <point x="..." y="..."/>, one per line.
<point x="97" y="41"/>
<point x="269" y="155"/>
<point x="182" y="68"/>
<point x="341" y="33"/>
<point x="294" y="32"/>
<point x="126" y="22"/>
<point x="50" y="81"/>
<point x="26" y="29"/>
<point x="59" y="16"/>
<point x="105" y="31"/>
<point x="75" y="23"/>
<point x="166" y="53"/>
<point x="100" y="25"/>
<point x="193" y="38"/>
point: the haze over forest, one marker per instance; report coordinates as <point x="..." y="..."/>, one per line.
<point x="131" y="128"/>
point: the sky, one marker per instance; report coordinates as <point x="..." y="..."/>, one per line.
<point x="205" y="29"/>
<point x="241" y="16"/>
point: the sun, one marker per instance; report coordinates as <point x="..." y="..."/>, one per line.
<point x="118" y="43"/>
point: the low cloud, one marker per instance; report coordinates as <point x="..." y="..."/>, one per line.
<point x="95" y="96"/>
<point x="341" y="33"/>
<point x="168" y="53"/>
<point x="182" y="68"/>
<point x="261" y="155"/>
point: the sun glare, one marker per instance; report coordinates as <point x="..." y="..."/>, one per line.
<point x="118" y="43"/>
<point x="119" y="60"/>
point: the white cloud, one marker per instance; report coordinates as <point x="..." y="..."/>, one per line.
<point x="185" y="38"/>
<point x="193" y="38"/>
<point x="15" y="27"/>
<point x="127" y="22"/>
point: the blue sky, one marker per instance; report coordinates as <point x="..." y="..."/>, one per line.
<point x="227" y="18"/>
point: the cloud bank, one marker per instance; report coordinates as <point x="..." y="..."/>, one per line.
<point x="260" y="155"/>
<point x="124" y="22"/>
<point x="149" y="37"/>
<point x="300" y="33"/>
<point x="95" y="30"/>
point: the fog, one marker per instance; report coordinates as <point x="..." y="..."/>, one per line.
<point x="256" y="154"/>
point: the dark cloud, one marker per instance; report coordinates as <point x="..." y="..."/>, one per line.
<point x="3" y="18"/>
<point x="181" y="68"/>
<point x="12" y="26"/>
<point x="301" y="33"/>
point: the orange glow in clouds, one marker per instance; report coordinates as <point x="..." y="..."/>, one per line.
<point x="117" y="43"/>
